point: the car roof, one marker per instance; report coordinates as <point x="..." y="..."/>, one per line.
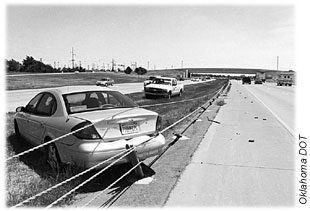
<point x="75" y="89"/>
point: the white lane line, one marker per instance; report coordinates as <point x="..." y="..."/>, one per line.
<point x="275" y="115"/>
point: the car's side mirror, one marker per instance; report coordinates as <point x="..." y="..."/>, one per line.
<point x="20" y="109"/>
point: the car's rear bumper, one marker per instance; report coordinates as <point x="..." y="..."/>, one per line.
<point x="89" y="153"/>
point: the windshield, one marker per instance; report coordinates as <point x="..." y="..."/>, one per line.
<point x="96" y="100"/>
<point x="161" y="81"/>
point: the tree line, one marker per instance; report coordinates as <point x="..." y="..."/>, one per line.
<point x="30" y="65"/>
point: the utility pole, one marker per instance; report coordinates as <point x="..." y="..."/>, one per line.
<point x="182" y="64"/>
<point x="113" y="63"/>
<point x="277" y="62"/>
<point x="80" y="64"/>
<point x="72" y="57"/>
<point x="148" y="65"/>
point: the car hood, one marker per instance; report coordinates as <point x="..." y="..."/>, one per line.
<point x="157" y="86"/>
<point x="109" y="122"/>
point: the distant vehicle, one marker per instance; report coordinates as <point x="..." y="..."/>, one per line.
<point x="204" y="78"/>
<point x="105" y="82"/>
<point x="285" y="79"/>
<point x="151" y="78"/>
<point x="180" y="78"/>
<point x="246" y="80"/>
<point x="258" y="81"/>
<point x="195" y="79"/>
<point x="76" y="72"/>
<point x="164" y="86"/>
<point x="102" y="122"/>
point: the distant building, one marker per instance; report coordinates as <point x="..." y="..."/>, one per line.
<point x="119" y="67"/>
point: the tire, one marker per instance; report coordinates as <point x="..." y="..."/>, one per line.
<point x="17" y="133"/>
<point x="181" y="93"/>
<point x="52" y="157"/>
<point x="169" y="95"/>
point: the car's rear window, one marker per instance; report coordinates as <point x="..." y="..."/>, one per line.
<point x="96" y="100"/>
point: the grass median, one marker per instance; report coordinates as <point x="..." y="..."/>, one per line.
<point x="30" y="175"/>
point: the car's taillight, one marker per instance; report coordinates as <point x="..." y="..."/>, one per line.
<point x="89" y="132"/>
<point x="158" y="123"/>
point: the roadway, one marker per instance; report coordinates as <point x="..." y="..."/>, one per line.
<point x="248" y="158"/>
<point x="17" y="98"/>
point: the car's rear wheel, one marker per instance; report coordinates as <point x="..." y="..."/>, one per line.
<point x="52" y="157"/>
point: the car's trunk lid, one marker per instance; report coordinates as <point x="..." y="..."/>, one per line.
<point x="124" y="123"/>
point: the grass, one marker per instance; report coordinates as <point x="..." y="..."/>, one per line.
<point x="54" y="80"/>
<point x="33" y="81"/>
<point x="172" y="112"/>
<point x="30" y="175"/>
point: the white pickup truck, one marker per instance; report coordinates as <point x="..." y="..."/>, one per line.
<point x="163" y="86"/>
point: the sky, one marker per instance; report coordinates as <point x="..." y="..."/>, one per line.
<point x="156" y="36"/>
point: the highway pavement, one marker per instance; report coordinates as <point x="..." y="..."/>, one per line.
<point x="17" y="98"/>
<point x="247" y="156"/>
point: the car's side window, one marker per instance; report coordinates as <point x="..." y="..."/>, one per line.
<point x="47" y="105"/>
<point x="31" y="107"/>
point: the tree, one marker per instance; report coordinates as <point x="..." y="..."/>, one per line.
<point x="32" y="65"/>
<point x="13" y="66"/>
<point x="140" y="71"/>
<point x="128" y="70"/>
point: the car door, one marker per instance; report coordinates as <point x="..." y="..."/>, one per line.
<point x="175" y="90"/>
<point x="25" y="116"/>
<point x="42" y="115"/>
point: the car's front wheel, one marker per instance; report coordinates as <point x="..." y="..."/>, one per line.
<point x="169" y="95"/>
<point x="52" y="157"/>
<point x="17" y="133"/>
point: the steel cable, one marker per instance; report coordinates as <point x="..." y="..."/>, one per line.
<point x="104" y="169"/>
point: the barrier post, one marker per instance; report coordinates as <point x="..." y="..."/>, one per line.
<point x="134" y="160"/>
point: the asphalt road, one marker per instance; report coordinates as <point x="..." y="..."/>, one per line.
<point x="247" y="158"/>
<point x="17" y="98"/>
<point x="280" y="100"/>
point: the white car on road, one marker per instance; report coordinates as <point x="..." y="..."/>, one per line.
<point x="111" y="121"/>
<point x="105" y="82"/>
<point x="164" y="86"/>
